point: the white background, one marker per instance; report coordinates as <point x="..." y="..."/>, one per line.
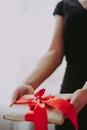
<point x="26" y="28"/>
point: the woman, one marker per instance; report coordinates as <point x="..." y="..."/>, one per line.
<point x="69" y="40"/>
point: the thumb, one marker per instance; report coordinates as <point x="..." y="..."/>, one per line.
<point x="14" y="99"/>
<point x="12" y="103"/>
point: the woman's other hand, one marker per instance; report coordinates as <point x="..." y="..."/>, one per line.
<point x="79" y="99"/>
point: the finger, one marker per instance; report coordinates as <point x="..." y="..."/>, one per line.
<point x="15" y="97"/>
<point x="14" y="100"/>
<point x="12" y="103"/>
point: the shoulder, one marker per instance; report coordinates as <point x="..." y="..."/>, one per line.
<point x="59" y="8"/>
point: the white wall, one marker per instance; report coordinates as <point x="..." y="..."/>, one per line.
<point x="26" y="28"/>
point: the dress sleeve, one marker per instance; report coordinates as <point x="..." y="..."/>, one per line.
<point x="59" y="9"/>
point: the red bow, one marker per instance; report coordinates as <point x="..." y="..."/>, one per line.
<point x="38" y="112"/>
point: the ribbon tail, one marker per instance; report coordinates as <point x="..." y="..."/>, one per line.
<point x="40" y="117"/>
<point x="24" y="100"/>
<point x="73" y="117"/>
<point x="67" y="109"/>
<point x="29" y="116"/>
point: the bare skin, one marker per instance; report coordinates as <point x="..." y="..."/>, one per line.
<point x="79" y="98"/>
<point x="46" y="66"/>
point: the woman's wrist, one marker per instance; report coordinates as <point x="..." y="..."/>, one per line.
<point x="29" y="87"/>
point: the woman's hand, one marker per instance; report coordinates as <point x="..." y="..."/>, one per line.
<point x="20" y="91"/>
<point x="79" y="99"/>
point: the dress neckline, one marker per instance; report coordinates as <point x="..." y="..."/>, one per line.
<point x="79" y="3"/>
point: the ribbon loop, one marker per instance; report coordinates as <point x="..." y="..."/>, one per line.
<point x="40" y="93"/>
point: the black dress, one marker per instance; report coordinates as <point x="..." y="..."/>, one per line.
<point x="75" y="51"/>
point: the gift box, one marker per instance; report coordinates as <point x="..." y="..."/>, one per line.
<point x="42" y="109"/>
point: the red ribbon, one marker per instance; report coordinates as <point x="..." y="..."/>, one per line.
<point x="38" y="112"/>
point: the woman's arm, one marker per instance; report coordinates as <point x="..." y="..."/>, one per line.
<point x="46" y="66"/>
<point x="79" y="98"/>
<point x="51" y="60"/>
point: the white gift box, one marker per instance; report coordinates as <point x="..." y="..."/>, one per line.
<point x="17" y="112"/>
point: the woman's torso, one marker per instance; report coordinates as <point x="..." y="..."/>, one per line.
<point x="75" y="45"/>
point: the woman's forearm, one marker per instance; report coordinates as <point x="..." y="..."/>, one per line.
<point x="51" y="60"/>
<point x="44" y="69"/>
